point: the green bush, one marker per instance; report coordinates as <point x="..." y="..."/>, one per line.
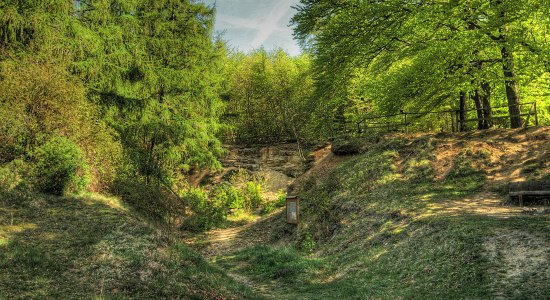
<point x="60" y="167"/>
<point x="207" y="212"/>
<point x="253" y="194"/>
<point x="235" y="198"/>
<point x="231" y="196"/>
<point x="13" y="174"/>
<point x="281" y="198"/>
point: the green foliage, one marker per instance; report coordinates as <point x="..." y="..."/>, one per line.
<point x="15" y="174"/>
<point x="208" y="212"/>
<point x="281" y="198"/>
<point x="253" y="195"/>
<point x="280" y="201"/>
<point x="379" y="57"/>
<point x="308" y="243"/>
<point x="60" y="167"/>
<point x="269" y="207"/>
<point x="41" y="101"/>
<point x="267" y="96"/>
<point x="134" y="84"/>
<point x="233" y="197"/>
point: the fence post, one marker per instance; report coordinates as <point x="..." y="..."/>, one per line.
<point x="452" y="121"/>
<point x="458" y="121"/>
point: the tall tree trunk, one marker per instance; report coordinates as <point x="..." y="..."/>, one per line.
<point x="512" y="87"/>
<point x="479" y="108"/>
<point x="510" y="78"/>
<point x="486" y="103"/>
<point x="462" y="111"/>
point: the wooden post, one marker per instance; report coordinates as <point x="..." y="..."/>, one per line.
<point x="452" y="121"/>
<point x="521" y="200"/>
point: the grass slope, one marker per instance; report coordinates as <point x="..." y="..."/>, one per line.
<point x="403" y="220"/>
<point x="91" y="247"/>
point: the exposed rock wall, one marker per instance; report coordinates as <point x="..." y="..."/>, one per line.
<point x="283" y="158"/>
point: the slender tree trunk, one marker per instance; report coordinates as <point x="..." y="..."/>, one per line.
<point x="512" y="87"/>
<point x="510" y="78"/>
<point x="479" y="108"/>
<point x="462" y="111"/>
<point x="486" y="103"/>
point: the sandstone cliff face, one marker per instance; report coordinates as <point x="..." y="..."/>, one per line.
<point x="283" y="158"/>
<point x="278" y="165"/>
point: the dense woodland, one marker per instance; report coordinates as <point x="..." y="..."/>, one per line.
<point x="128" y="97"/>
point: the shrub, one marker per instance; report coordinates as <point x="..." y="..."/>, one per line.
<point x="235" y="198"/>
<point x="253" y="194"/>
<point x="232" y="197"/>
<point x="60" y="167"/>
<point x="308" y="244"/>
<point x="207" y="212"/>
<point x="13" y="174"/>
<point x="281" y="198"/>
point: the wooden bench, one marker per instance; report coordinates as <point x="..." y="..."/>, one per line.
<point x="530" y="188"/>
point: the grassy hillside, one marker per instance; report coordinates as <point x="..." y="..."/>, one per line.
<point x="415" y="217"/>
<point x="92" y="247"/>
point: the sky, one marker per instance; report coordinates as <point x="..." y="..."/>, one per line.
<point x="250" y="24"/>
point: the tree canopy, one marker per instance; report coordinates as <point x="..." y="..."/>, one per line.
<point x="417" y="55"/>
<point x="146" y="73"/>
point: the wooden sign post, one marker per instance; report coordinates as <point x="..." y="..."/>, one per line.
<point x="292" y="209"/>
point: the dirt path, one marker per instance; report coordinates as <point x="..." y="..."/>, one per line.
<point x="221" y="242"/>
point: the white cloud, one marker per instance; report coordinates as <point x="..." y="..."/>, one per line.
<point x="264" y="21"/>
<point x="271" y="24"/>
